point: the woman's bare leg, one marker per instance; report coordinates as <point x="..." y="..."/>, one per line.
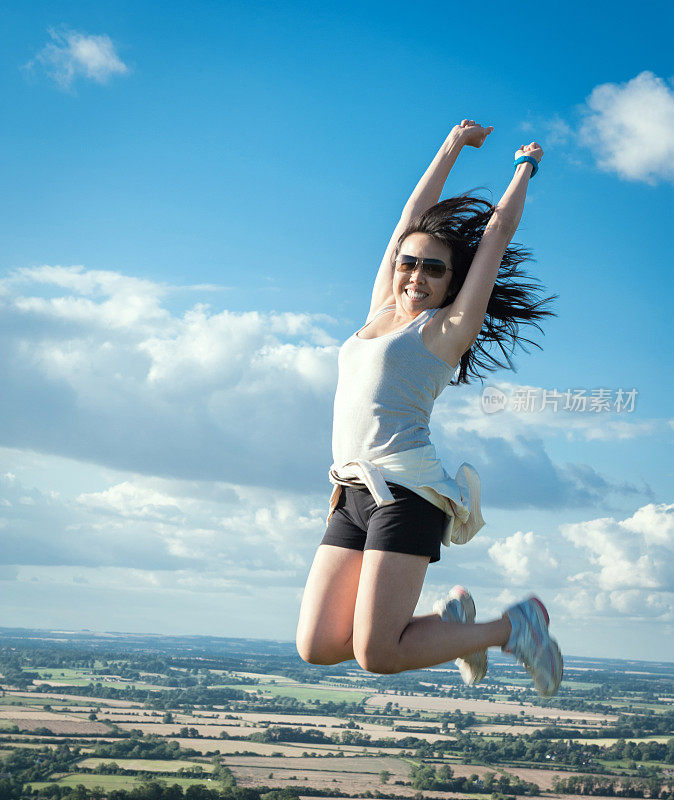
<point x="388" y="639"/>
<point x="325" y="628"/>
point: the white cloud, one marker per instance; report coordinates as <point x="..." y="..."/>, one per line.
<point x="131" y="500"/>
<point x="594" y="607"/>
<point x="630" y="128"/>
<point x="100" y="298"/>
<point x="505" y="599"/>
<point x="516" y="555"/>
<point x="157" y="527"/>
<point x="631" y="563"/>
<point x="198" y="394"/>
<point x="627" y="127"/>
<point x="244" y="397"/>
<point x="512" y="448"/>
<point x="654" y="523"/>
<point x="72" y="54"/>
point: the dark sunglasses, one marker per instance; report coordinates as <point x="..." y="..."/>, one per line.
<point x="432" y="267"/>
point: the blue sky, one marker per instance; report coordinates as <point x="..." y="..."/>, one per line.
<point x="196" y="200"/>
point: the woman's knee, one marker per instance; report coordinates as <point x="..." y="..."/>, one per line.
<point x="376" y="656"/>
<point x="317" y="650"/>
<point x="388" y="591"/>
<point x="379" y="663"/>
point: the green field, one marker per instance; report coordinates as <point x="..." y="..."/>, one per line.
<point x="37" y="745"/>
<point x="145" y="764"/>
<point x="608" y="742"/>
<point x="109" y="782"/>
<point x="36" y="700"/>
<point x="622" y="765"/>
<point x="500" y="698"/>
<point x="66" y="675"/>
<point x="568" y="683"/>
<point x="126" y="685"/>
<point x="302" y="692"/>
<point x="613" y="704"/>
<point x="83" y="677"/>
<point x="572" y="684"/>
<point x="262" y="678"/>
<point x="316" y="693"/>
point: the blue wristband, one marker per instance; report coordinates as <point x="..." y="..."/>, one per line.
<point x="531" y="160"/>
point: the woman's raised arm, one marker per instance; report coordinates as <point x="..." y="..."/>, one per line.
<point x="465" y="316"/>
<point x="426" y="194"/>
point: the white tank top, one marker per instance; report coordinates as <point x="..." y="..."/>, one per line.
<point x="386" y="389"/>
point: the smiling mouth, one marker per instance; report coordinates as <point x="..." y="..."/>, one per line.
<point x="419" y="295"/>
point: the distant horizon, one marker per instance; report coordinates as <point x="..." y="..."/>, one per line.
<point x="492" y="651"/>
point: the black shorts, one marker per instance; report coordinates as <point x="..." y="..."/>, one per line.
<point x="411" y="525"/>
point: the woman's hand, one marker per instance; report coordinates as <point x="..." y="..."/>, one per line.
<point x="471" y="133"/>
<point x="534" y="149"/>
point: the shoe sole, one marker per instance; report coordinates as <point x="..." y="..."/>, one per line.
<point x="557" y="670"/>
<point x="548" y="687"/>
<point x="474" y="667"/>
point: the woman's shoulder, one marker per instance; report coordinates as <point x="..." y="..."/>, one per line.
<point x="377" y="312"/>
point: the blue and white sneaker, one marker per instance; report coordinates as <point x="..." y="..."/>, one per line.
<point x="531" y="644"/>
<point x="458" y="606"/>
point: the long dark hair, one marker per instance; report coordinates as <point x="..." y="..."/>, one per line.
<point x="459" y="223"/>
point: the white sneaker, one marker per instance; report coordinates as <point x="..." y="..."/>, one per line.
<point x="458" y="606"/>
<point x="531" y="644"/>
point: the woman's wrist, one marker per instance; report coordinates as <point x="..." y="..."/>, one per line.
<point x="527" y="158"/>
<point x="454" y="141"/>
<point x="525" y="166"/>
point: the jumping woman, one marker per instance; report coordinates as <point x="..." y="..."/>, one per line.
<point x="448" y="283"/>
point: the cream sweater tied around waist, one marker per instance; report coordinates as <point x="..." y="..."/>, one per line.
<point x="386" y="390"/>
